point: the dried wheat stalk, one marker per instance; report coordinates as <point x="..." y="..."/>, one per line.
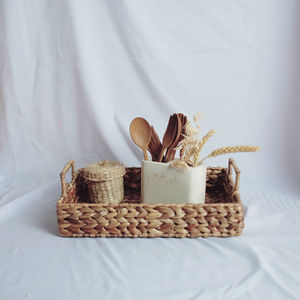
<point x="191" y="146"/>
<point x="231" y="149"/>
<point x="179" y="164"/>
<point x="200" y="145"/>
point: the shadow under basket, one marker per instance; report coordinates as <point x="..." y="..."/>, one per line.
<point x="220" y="216"/>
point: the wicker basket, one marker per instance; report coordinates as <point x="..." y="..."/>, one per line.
<point x="105" y="181"/>
<point x="220" y="216"/>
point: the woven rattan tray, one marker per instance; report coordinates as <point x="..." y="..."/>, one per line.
<point x="220" y="216"/>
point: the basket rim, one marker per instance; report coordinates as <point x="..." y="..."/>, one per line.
<point x="126" y="204"/>
<point x="237" y="202"/>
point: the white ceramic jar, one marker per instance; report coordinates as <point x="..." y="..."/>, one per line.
<point x="162" y="183"/>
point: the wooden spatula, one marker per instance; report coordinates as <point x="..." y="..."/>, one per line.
<point x="171" y="151"/>
<point x="169" y="136"/>
<point x="154" y="145"/>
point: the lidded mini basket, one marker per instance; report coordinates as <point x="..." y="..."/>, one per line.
<point x="105" y="181"/>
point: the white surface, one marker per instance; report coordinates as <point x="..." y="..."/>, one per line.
<point x="161" y="183"/>
<point x="72" y="76"/>
<point x="263" y="263"/>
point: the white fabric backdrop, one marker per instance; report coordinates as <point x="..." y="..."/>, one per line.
<point x="72" y="76"/>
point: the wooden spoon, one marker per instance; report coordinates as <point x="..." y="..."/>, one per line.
<point x="178" y="128"/>
<point x="154" y="145"/>
<point x="168" y="136"/>
<point x="140" y="132"/>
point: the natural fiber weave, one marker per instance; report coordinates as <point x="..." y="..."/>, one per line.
<point x="103" y="170"/>
<point x="105" y="181"/>
<point x="220" y="216"/>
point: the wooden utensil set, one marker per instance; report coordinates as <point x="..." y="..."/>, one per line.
<point x="146" y="138"/>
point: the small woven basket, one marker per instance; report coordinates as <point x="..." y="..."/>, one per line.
<point x="105" y="181"/>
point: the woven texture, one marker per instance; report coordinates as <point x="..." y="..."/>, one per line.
<point x="105" y="181"/>
<point x="103" y="170"/>
<point x="220" y="216"/>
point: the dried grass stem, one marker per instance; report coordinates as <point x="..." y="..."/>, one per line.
<point x="231" y="149"/>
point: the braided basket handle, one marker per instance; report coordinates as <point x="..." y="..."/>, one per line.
<point x="232" y="165"/>
<point x="63" y="176"/>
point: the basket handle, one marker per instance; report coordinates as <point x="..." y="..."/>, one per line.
<point x="63" y="176"/>
<point x="232" y="165"/>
